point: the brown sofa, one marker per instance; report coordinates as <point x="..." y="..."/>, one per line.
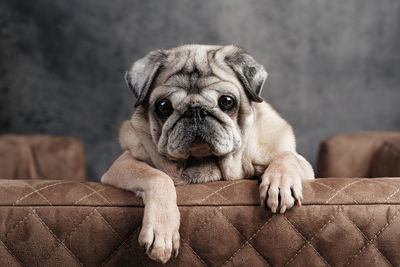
<point x="343" y="221"/>
<point x="41" y="157"/>
<point x="365" y="154"/>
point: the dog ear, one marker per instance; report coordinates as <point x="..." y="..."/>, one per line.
<point x="250" y="73"/>
<point x="142" y="74"/>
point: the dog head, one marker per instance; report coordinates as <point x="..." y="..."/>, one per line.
<point x="198" y="98"/>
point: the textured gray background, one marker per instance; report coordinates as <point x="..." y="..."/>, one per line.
<point x="334" y="65"/>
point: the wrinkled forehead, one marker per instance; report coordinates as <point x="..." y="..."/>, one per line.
<point x="181" y="85"/>
<point x="195" y="69"/>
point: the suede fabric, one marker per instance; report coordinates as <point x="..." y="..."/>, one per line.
<point x="342" y="221"/>
<point x="351" y="155"/>
<point x="386" y="160"/>
<point x="41" y="157"/>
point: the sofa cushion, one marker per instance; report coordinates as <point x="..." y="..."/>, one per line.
<point x="41" y="157"/>
<point x="386" y="160"/>
<point x="342" y="221"/>
<point x="350" y="154"/>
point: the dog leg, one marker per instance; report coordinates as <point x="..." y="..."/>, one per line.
<point x="159" y="235"/>
<point x="282" y="178"/>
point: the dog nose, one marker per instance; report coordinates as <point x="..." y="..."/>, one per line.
<point x="198" y="113"/>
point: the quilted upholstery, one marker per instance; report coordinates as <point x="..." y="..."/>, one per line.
<point x="343" y="221"/>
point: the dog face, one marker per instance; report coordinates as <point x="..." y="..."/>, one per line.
<point x="198" y="98"/>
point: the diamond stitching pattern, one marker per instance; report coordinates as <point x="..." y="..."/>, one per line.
<point x="95" y="192"/>
<point x="217" y="191"/>
<point x="201" y="226"/>
<point x="62" y="242"/>
<point x="39" y="194"/>
<point x="366" y="238"/>
<point x="10" y="253"/>
<point x="40" y="189"/>
<point x="393" y="194"/>
<point x="369" y="242"/>
<point x="123" y="243"/>
<point x="30" y="213"/>
<point x="194" y="252"/>
<point x="341" y="189"/>
<point x="245" y="243"/>
<point x="307" y="242"/>
<point x="113" y="196"/>
<point x="91" y="194"/>
<point x="115" y="231"/>
<point x="327" y="186"/>
<point x="340" y="197"/>
<point x="56" y="238"/>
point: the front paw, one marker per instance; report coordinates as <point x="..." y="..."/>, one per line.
<point x="280" y="187"/>
<point x="159" y="235"/>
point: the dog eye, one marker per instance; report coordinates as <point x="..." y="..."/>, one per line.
<point x="226" y="103"/>
<point x="164" y="108"/>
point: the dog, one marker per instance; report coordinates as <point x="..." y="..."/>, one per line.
<point x="200" y="117"/>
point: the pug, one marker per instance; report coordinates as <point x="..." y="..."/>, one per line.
<point x="199" y="118"/>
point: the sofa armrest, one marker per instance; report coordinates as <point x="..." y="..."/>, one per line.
<point x="42" y="157"/>
<point x="386" y="160"/>
<point x="350" y="154"/>
<point x="342" y="221"/>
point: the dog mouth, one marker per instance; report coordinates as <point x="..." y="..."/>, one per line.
<point x="201" y="138"/>
<point x="193" y="137"/>
<point x="199" y="148"/>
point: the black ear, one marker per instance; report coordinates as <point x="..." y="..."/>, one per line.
<point x="250" y="73"/>
<point x="142" y="74"/>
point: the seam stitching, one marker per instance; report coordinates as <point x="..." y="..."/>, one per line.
<point x="207" y="220"/>
<point x="40" y="189"/>
<point x="89" y="195"/>
<point x="366" y="238"/>
<point x="306" y="242"/>
<point x="237" y="251"/>
<point x="392" y="195"/>
<point x="37" y="192"/>
<point x="246" y="242"/>
<point x="194" y="252"/>
<point x="352" y="258"/>
<point x="94" y="191"/>
<point x="228" y="185"/>
<point x="119" y="247"/>
<point x="12" y="255"/>
<point x="343" y="188"/>
<point x="333" y="189"/>
<point x="57" y="239"/>
<point x="332" y="217"/>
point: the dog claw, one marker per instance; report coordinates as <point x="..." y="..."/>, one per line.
<point x="283" y="209"/>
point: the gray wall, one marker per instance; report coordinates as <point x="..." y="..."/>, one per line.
<point x="334" y="65"/>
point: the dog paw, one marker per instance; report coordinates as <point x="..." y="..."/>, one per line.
<point x="280" y="187"/>
<point x="159" y="235"/>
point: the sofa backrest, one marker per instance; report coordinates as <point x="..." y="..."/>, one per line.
<point x="42" y="157"/>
